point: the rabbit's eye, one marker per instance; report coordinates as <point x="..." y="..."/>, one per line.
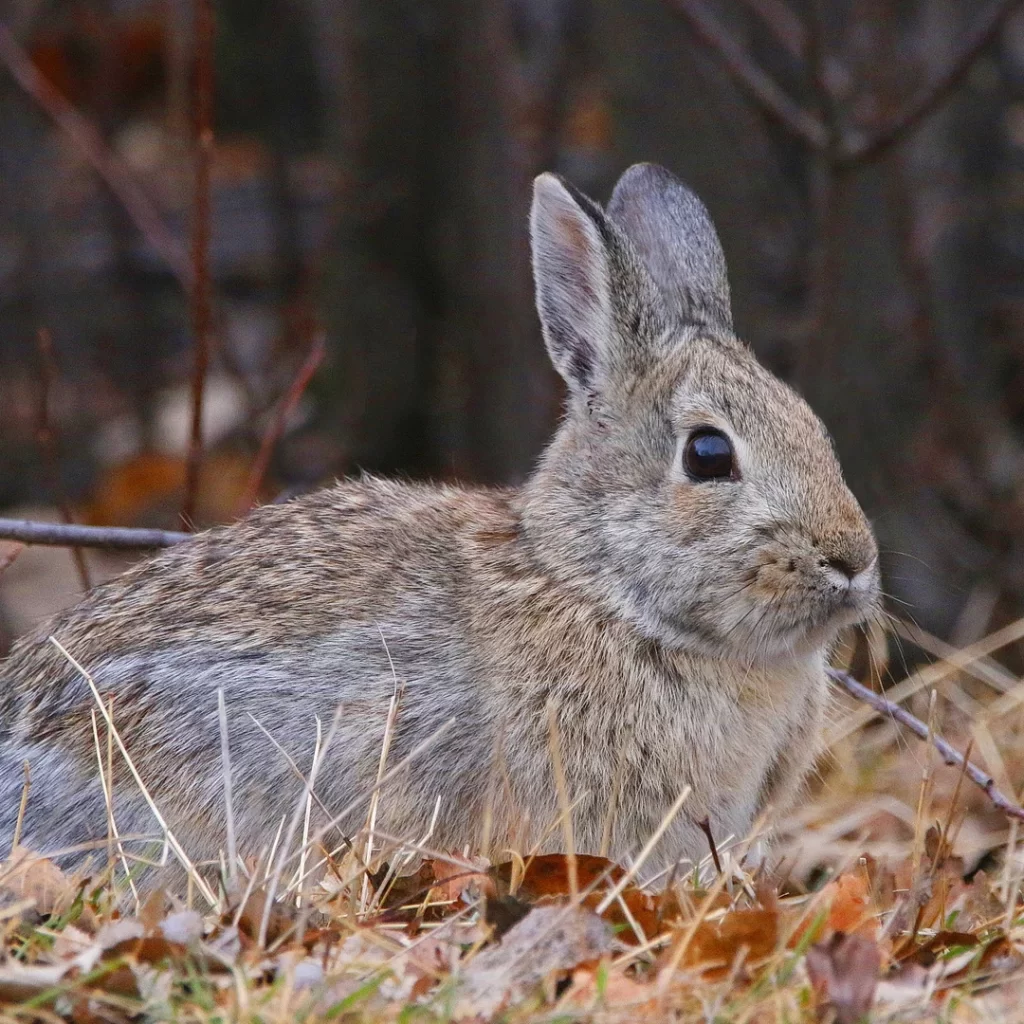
<point x="708" y="455"/>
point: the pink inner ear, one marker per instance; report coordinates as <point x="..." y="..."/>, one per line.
<point x="578" y="272"/>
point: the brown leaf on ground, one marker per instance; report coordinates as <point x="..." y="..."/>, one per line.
<point x="251" y="917"/>
<point x="28" y="875"/>
<point x="616" y="989"/>
<point x="452" y="880"/>
<point x="844" y="974"/>
<point x="549" y="876"/>
<point x="403" y="890"/>
<point x="850" y="906"/>
<point x="503" y="912"/>
<point x="635" y="915"/>
<point x="941" y="942"/>
<point x="718" y="943"/>
<point x="548" y="941"/>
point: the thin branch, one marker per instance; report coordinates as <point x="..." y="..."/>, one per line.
<point x="705" y="826"/>
<point x="202" y="292"/>
<point x="8" y="558"/>
<point x="930" y="97"/>
<point x="97" y="154"/>
<point x="276" y="429"/>
<point x="783" y="24"/>
<point x="112" y="538"/>
<point x="949" y="754"/>
<point x="48" y="442"/>
<point x="759" y="86"/>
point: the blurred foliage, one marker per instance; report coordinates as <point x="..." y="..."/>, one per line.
<point x="371" y="175"/>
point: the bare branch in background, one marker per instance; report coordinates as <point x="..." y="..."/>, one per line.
<point x="276" y="429"/>
<point x="931" y="96"/>
<point x="783" y="24"/>
<point x="202" y="293"/>
<point x="98" y="155"/>
<point x="48" y="443"/>
<point x="759" y="86"/>
<point x="805" y="125"/>
<point x="950" y="755"/>
<point x="63" y="535"/>
<point x="7" y="558"/>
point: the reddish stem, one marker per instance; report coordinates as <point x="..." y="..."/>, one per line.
<point x="276" y="428"/>
<point x="202" y="291"/>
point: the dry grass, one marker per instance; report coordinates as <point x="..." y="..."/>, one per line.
<point x="893" y="892"/>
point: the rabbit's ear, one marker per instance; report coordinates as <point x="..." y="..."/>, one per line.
<point x="572" y="274"/>
<point x="676" y="241"/>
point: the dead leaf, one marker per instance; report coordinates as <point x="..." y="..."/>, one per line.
<point x="617" y="990"/>
<point x="850" y="907"/>
<point x="717" y="943"/>
<point x="548" y="940"/>
<point x="28" y="875"/>
<point x="452" y="880"/>
<point x="252" y="917"/>
<point x="549" y="875"/>
<point x="547" y="879"/>
<point x="403" y="890"/>
<point x="844" y="973"/>
<point x="501" y="913"/>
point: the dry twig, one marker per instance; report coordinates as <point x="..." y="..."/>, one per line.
<point x="950" y="755"/>
<point x="846" y="151"/>
<point x="7" y="558"/>
<point x="63" y="535"/>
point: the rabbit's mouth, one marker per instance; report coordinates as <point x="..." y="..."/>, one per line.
<point x="797" y="604"/>
<point x="839" y="601"/>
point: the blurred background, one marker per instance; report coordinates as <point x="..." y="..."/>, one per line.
<point x="314" y="212"/>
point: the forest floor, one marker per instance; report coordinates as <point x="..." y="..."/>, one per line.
<point x="891" y="893"/>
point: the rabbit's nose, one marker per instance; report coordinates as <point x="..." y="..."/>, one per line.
<point x="847" y="558"/>
<point x="844" y="566"/>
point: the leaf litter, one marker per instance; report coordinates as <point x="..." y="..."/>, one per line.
<point x="891" y="893"/>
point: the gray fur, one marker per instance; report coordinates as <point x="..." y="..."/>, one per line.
<point x="679" y="628"/>
<point x="677" y="242"/>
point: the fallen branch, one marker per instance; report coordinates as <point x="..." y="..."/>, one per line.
<point x="113" y="538"/>
<point x="759" y="86"/>
<point x="931" y="96"/>
<point x="950" y="755"/>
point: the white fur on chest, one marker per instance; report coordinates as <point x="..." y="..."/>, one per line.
<point x="691" y="723"/>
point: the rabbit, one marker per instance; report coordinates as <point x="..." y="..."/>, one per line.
<point x="653" y="608"/>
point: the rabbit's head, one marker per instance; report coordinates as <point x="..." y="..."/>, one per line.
<point x="688" y="487"/>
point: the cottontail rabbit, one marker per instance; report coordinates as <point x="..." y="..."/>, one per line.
<point x="668" y="582"/>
